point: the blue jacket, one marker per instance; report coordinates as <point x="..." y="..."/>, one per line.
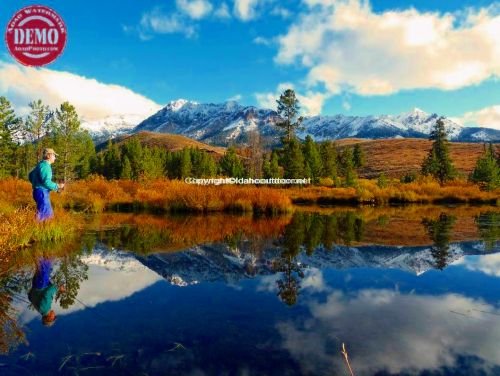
<point x="41" y="177"/>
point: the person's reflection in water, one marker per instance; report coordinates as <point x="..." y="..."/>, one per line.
<point x="43" y="291"/>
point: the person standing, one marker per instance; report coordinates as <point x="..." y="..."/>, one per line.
<point x="41" y="182"/>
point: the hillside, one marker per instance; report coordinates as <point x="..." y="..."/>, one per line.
<point x="396" y="157"/>
<point x="171" y="142"/>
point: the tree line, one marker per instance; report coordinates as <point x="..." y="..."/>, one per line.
<point x="23" y="139"/>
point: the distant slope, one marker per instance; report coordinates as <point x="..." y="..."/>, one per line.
<point x="171" y="142"/>
<point x="396" y="157"/>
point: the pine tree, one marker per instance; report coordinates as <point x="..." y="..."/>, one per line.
<point x="438" y="162"/>
<point x="328" y="154"/>
<point x="358" y="156"/>
<point x="37" y="125"/>
<point x="231" y="165"/>
<point x="112" y="161"/>
<point x="293" y="159"/>
<point x="133" y="150"/>
<point x="208" y="167"/>
<point x="65" y="141"/>
<point x="271" y="168"/>
<point x="86" y="150"/>
<point x="347" y="165"/>
<point x="9" y="123"/>
<point x="126" y="172"/>
<point x="153" y="163"/>
<point x="312" y="159"/>
<point x="274" y="167"/>
<point x="487" y="170"/>
<point x="288" y="110"/>
<point x="185" y="163"/>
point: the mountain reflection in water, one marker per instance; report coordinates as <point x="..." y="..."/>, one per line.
<point x="255" y="296"/>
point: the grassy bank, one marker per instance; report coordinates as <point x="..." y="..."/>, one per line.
<point x="97" y="195"/>
<point x="19" y="229"/>
<point x="425" y="191"/>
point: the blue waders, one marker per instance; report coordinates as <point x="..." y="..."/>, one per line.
<point x="43" y="207"/>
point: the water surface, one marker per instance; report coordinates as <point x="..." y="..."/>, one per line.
<point x="409" y="291"/>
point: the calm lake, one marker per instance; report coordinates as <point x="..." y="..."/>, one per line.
<point x="409" y="291"/>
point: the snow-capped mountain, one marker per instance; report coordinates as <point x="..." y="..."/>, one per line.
<point x="210" y="123"/>
<point x="111" y="126"/>
<point x="224" y="123"/>
<point x="219" y="263"/>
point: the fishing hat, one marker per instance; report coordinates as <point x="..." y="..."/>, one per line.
<point x="48" y="151"/>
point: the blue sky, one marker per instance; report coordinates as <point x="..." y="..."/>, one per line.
<point x="341" y="56"/>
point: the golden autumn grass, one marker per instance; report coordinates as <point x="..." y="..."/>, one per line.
<point x="425" y="191"/>
<point x="18" y="228"/>
<point x="97" y="194"/>
<point x="396" y="157"/>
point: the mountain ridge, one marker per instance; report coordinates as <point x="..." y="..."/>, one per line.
<point x="231" y="122"/>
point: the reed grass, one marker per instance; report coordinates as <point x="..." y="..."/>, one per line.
<point x="423" y="191"/>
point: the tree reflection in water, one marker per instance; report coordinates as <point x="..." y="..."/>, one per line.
<point x="308" y="231"/>
<point x="440" y="233"/>
<point x="488" y="226"/>
<point x="11" y="335"/>
<point x="15" y="284"/>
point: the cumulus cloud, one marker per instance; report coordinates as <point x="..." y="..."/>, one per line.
<point x="195" y="9"/>
<point x="389" y="331"/>
<point x="155" y="21"/>
<point x="92" y="99"/>
<point x="311" y="102"/>
<point x="345" y="45"/>
<point x="487" y="264"/>
<point x="246" y="10"/>
<point x="487" y="117"/>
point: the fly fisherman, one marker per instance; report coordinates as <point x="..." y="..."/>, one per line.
<point x="41" y="181"/>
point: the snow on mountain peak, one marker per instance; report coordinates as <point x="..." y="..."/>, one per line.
<point x="178" y="104"/>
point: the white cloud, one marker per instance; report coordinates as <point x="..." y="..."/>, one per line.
<point x="314" y="281"/>
<point x="222" y="11"/>
<point x="344" y="44"/>
<point x="389" y="331"/>
<point x="310" y="102"/>
<point x="246" y="10"/>
<point x="92" y="99"/>
<point x="487" y="264"/>
<point x="155" y="21"/>
<point x="195" y="9"/>
<point x="487" y="117"/>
